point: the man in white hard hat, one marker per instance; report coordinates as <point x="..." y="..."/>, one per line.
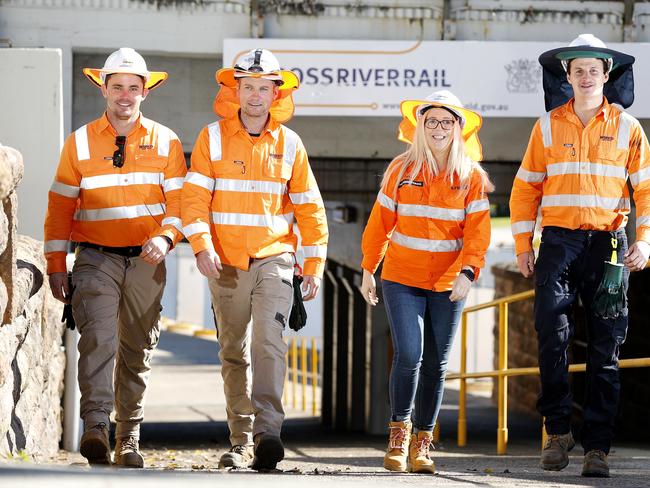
<point x="116" y="193"/>
<point x="249" y="179"/>
<point x="575" y="170"/>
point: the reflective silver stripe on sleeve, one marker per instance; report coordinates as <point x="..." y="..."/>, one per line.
<point x="522" y="227"/>
<point x="640" y="176"/>
<point x="545" y="126"/>
<point x="643" y="220"/>
<point x="174" y="221"/>
<point x="56" y="246"/>
<point x="308" y="196"/>
<point x="117" y="213"/>
<point x="197" y="228"/>
<point x="65" y="190"/>
<point x="315" y="251"/>
<point x="385" y="201"/>
<point x="173" y="184"/>
<point x="430" y="245"/>
<point x="163" y="141"/>
<point x="81" y="141"/>
<point x="201" y="180"/>
<point x="214" y="130"/>
<point x="478" y="206"/>
<point x="531" y="176"/>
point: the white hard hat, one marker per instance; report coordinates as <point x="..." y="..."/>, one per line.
<point x="260" y="63"/>
<point x="125" y="60"/>
<point x="587" y="45"/>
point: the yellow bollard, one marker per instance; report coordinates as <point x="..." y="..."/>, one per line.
<point x="285" y="390"/>
<point x="436" y="433"/>
<point x="303" y="369"/>
<point x="462" y="402"/>
<point x="294" y="370"/>
<point x="502" y="407"/>
<point x="314" y="376"/>
<point x="544" y="433"/>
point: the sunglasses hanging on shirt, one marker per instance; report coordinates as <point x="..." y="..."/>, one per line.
<point x="118" y="155"/>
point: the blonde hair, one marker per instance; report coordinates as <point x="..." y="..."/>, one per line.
<point x="419" y="157"/>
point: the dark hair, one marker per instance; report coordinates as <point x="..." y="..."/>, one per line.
<point x="108" y="76"/>
<point x="605" y="65"/>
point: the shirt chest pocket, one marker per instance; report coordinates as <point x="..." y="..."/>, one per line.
<point x="608" y="155"/>
<point x="277" y="170"/>
<point x="561" y="154"/>
<point x="227" y="168"/>
<point x="150" y="163"/>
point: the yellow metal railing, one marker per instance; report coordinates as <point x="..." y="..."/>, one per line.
<point x="302" y="369"/>
<point x="503" y="372"/>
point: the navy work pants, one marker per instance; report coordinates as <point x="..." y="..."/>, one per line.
<point x="571" y="264"/>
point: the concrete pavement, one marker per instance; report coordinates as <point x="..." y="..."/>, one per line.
<point x="185" y="434"/>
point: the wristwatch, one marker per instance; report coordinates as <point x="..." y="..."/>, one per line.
<point x="469" y="273"/>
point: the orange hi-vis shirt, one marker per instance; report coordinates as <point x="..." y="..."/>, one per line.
<point x="93" y="201"/>
<point x="428" y="231"/>
<point x="242" y="194"/>
<point x="578" y="175"/>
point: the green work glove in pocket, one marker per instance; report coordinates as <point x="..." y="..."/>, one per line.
<point x="609" y="299"/>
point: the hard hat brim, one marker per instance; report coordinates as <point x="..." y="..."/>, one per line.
<point x="156" y="78"/>
<point x="552" y="59"/>
<point x="229" y="76"/>
<point x="473" y="123"/>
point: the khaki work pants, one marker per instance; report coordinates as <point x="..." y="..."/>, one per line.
<point x="116" y="306"/>
<point x="252" y="308"/>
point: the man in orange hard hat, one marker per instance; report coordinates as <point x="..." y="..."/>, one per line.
<point x="116" y="194"/>
<point x="249" y="182"/>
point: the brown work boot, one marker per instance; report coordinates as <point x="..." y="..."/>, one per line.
<point x="419" y="460"/>
<point x="555" y="455"/>
<point x="269" y="451"/>
<point x="95" y="446"/>
<point x="595" y="464"/>
<point x="127" y="453"/>
<point x="398" y="441"/>
<point x="238" y="456"/>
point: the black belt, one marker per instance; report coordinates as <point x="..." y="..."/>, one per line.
<point x="129" y="251"/>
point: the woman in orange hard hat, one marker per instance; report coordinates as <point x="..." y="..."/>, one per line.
<point x="431" y="220"/>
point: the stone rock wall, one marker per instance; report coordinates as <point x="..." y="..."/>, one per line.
<point x="32" y="361"/>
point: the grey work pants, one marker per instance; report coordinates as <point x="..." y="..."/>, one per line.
<point x="116" y="306"/>
<point x="252" y="308"/>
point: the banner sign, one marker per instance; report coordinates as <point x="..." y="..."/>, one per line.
<point x="371" y="78"/>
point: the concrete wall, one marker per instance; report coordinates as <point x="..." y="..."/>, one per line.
<point x="32" y="122"/>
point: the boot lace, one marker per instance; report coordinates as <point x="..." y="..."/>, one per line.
<point x="423" y="445"/>
<point x="397" y="438"/>
<point x="560" y="440"/>
<point x="129" y="444"/>
<point x="596" y="454"/>
<point x="239" y="449"/>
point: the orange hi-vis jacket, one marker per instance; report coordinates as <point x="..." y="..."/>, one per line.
<point x="428" y="231"/>
<point x="241" y="196"/>
<point x="93" y="201"/>
<point x="578" y="175"/>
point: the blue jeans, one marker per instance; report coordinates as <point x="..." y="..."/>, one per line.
<point x="423" y="324"/>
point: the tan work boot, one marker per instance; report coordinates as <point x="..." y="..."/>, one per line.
<point x="127" y="453"/>
<point x="237" y="457"/>
<point x="555" y="455"/>
<point x="398" y="441"/>
<point x="95" y="446"/>
<point x="419" y="460"/>
<point x="595" y="465"/>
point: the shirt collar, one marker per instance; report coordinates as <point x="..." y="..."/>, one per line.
<point x="233" y="125"/>
<point x="567" y="108"/>
<point x="104" y="124"/>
